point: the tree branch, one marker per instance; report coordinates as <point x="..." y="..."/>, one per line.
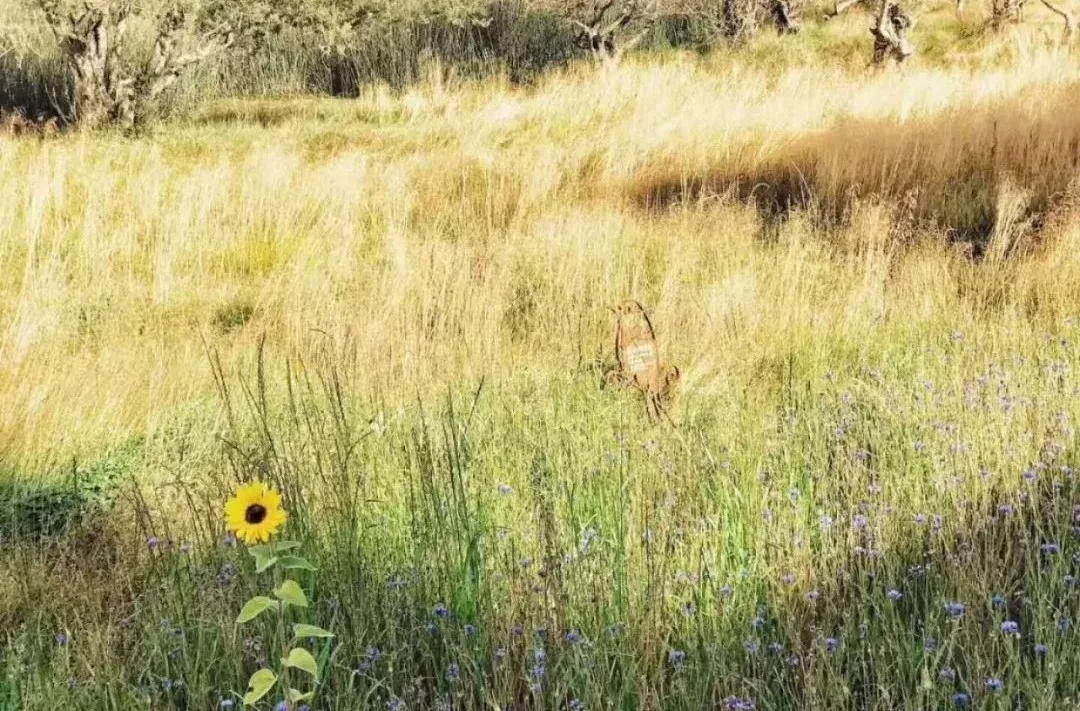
<point x="1070" y="22"/>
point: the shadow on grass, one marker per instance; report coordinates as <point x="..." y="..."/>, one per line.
<point x="967" y="171"/>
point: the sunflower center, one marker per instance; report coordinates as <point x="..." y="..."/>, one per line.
<point x="255" y="514"/>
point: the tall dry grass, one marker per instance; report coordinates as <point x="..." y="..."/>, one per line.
<point x="461" y="230"/>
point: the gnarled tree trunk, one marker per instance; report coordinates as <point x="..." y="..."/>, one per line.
<point x="91" y="43"/>
<point x="784" y="17"/>
<point x="890" y="32"/>
<point x="109" y="90"/>
<point x="603" y="39"/>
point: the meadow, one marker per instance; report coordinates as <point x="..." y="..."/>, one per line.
<point x="394" y="307"/>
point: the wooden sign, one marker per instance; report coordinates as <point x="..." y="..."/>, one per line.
<point x="639" y="359"/>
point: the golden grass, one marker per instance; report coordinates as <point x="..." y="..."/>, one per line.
<point x="465" y="230"/>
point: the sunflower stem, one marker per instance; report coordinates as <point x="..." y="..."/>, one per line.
<point x="284" y="641"/>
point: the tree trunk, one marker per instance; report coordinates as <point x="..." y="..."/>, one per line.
<point x="740" y="18"/>
<point x="891" y="34"/>
<point x="102" y="93"/>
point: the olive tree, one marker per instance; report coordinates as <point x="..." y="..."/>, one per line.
<point x="112" y="85"/>
<point x="605" y="28"/>
<point x="738" y="20"/>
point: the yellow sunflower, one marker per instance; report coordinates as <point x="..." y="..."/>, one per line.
<point x="255" y="513"/>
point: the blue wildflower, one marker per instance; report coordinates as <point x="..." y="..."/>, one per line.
<point x="994" y="685"/>
<point x="946" y="675"/>
<point x="441" y="611"/>
<point x="788" y="579"/>
<point x="919" y="518"/>
<point x="813" y="596"/>
<point x="226" y="704"/>
<point x="750" y="646"/>
<point x="1050" y="548"/>
<point x="1064" y="624"/>
<point x="955" y="609"/>
<point x="689" y="609"/>
<point x="281" y="706"/>
<point x="1041" y="649"/>
<point x="676" y="657"/>
<point x="831" y="644"/>
<point x="1010" y="627"/>
<point x="453" y="672"/>
<point x="152" y="542"/>
<point x="469" y="630"/>
<point x="573" y="636"/>
<point x="757" y="623"/>
<point x="961" y="699"/>
<point x="373" y="653"/>
<point x="859" y="522"/>
<point x="826" y="523"/>
<point x="505" y="489"/>
<point x="737" y="704"/>
<point x="997" y="601"/>
<point x="61" y="639"/>
<point x="894" y="595"/>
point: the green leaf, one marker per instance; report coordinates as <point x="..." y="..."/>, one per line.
<point x="255" y="607"/>
<point x="262" y="551"/>
<point x="301" y="659"/>
<point x="292" y="562"/>
<point x="262" y="563"/>
<point x="305" y="631"/>
<point x="260" y="684"/>
<point x="296" y="696"/>
<point x="282" y="546"/>
<point x="291" y="593"/>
